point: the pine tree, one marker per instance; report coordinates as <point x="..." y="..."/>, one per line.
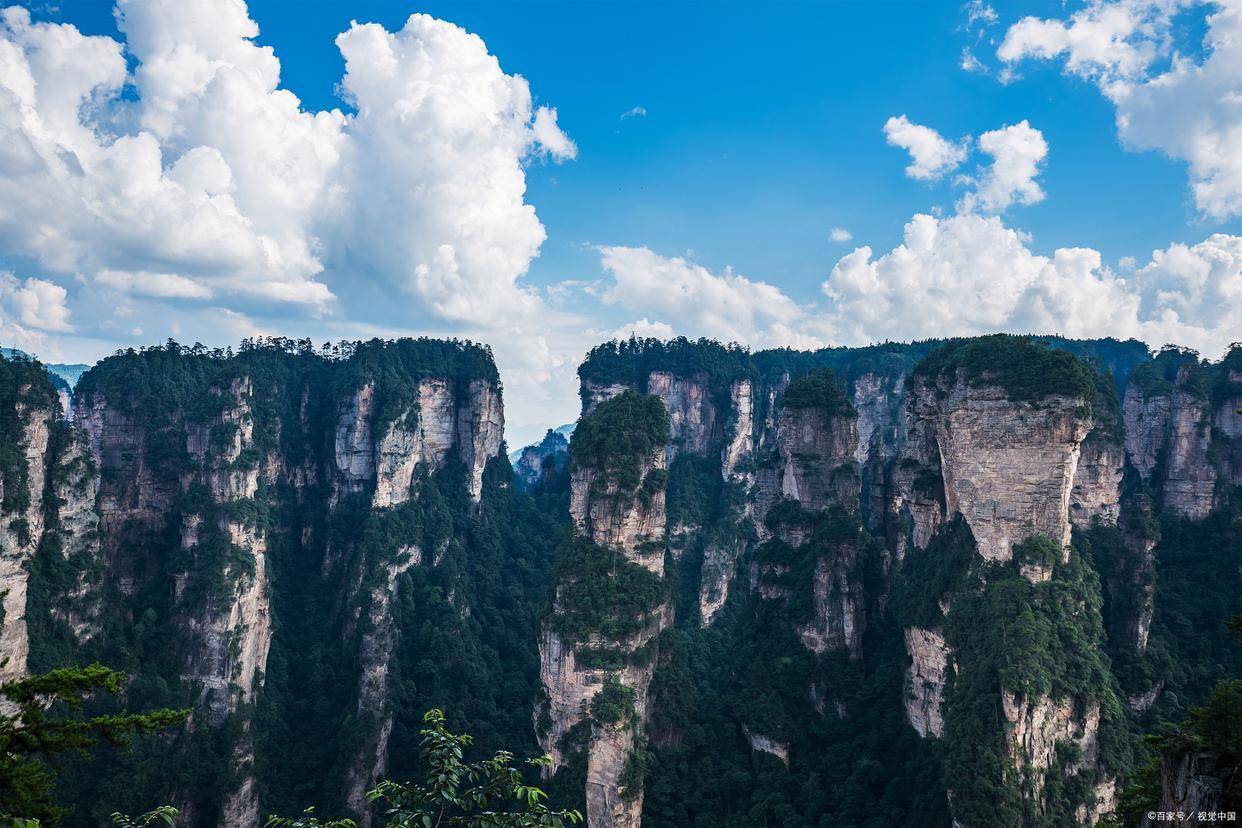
<point x="40" y="718"/>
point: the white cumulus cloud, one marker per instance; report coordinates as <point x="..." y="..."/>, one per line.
<point x="970" y="274"/>
<point x="960" y="275"/>
<point x="1183" y="106"/>
<point x="207" y="180"/>
<point x="840" y="234"/>
<point x="35" y="303"/>
<point x="701" y="303"/>
<point x="432" y="184"/>
<point x="931" y="155"/>
<point x="1017" y="152"/>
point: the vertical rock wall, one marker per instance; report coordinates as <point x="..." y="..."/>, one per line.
<point x="627" y="520"/>
<point x="21" y="525"/>
<point x="1007" y="467"/>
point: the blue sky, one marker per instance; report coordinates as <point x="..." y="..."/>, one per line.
<point x="762" y="125"/>
<point x="715" y="146"/>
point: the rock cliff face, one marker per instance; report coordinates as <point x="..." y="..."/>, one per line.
<point x="1193" y="782"/>
<point x="1037" y="728"/>
<point x="737" y="456"/>
<point x="613" y="515"/>
<point x="925" y="680"/>
<point x="1179" y="441"/>
<point x="1008" y="467"/>
<point x="1227" y="421"/>
<point x="1096" y="494"/>
<point x="817" y="457"/>
<point x="374" y="694"/>
<point x="235" y="629"/>
<point x="32" y="407"/>
<point x="692" y="415"/>
<point x="76" y="488"/>
<point x="424" y="434"/>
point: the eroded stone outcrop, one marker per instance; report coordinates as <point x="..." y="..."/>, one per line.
<point x="912" y="507"/>
<point x="839" y="604"/>
<point x="1034" y="729"/>
<point x="480" y="431"/>
<point x="615" y="516"/>
<point x="693" y="419"/>
<point x="1180" y="445"/>
<point x="1096" y="493"/>
<point x="471" y="424"/>
<point x="1227" y="422"/>
<point x="925" y="680"/>
<point x="1008" y="467"/>
<point x="379" y="640"/>
<point x="817" y="458"/>
<point x="766" y="744"/>
<point x="737" y="457"/>
<point x="720" y="557"/>
<point x="1193" y="782"/>
<point x="76" y="485"/>
<point x="233" y="630"/>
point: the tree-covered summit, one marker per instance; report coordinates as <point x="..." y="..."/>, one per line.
<point x="157" y="382"/>
<point x="618" y="435"/>
<point x="1026" y="370"/>
<point x="630" y="361"/>
<point x="182" y="371"/>
<point x="819" y="389"/>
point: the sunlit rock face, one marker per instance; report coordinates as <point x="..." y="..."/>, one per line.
<point x="444" y="422"/>
<point x="1008" y="467"/>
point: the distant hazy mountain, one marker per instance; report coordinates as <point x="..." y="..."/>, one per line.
<point x="68" y="373"/>
<point x="565" y="431"/>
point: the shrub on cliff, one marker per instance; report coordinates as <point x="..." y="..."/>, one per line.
<point x="600" y="591"/>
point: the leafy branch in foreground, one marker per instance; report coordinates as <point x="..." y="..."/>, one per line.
<point x="307" y="820"/>
<point x="165" y="814"/>
<point x="486" y="794"/>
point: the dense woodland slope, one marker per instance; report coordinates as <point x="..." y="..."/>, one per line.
<point x="897" y="585"/>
